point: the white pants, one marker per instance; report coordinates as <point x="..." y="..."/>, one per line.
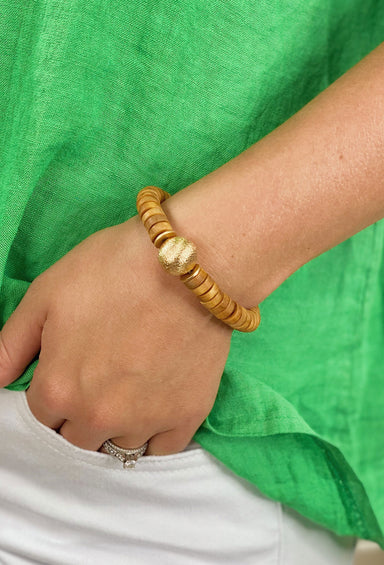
<point x="63" y="505"/>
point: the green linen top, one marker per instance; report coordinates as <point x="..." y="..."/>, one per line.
<point x="99" y="99"/>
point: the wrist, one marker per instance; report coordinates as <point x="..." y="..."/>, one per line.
<point x="248" y="269"/>
<point x="153" y="281"/>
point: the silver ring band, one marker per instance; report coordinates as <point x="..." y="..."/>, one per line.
<point x="127" y="456"/>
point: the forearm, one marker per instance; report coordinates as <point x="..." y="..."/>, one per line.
<point x="304" y="188"/>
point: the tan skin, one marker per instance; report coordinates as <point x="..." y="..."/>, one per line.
<point x="126" y="351"/>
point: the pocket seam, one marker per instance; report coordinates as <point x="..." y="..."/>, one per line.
<point x="45" y="435"/>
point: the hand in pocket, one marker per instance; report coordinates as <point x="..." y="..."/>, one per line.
<point x="126" y="352"/>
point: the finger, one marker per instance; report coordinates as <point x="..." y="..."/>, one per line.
<point x="170" y="442"/>
<point x="43" y="410"/>
<point x="131" y="441"/>
<point x="20" y="337"/>
<point x="83" y="436"/>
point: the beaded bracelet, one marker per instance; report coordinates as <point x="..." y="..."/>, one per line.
<point x="178" y="256"/>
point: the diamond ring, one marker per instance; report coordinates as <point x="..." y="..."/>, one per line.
<point x="128" y="457"/>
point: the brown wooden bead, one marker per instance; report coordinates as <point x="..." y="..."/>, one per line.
<point x="147" y="197"/>
<point x="196" y="281"/>
<point x="256" y="311"/>
<point x="195" y="278"/>
<point x="253" y="322"/>
<point x="225" y="299"/>
<point x="242" y="318"/>
<point x="159" y="240"/>
<point x="210" y="304"/>
<point x="153" y="190"/>
<point x="245" y="325"/>
<point x="154" y="211"/>
<point x="234" y="317"/>
<point x="159" y="228"/>
<point x="227" y="311"/>
<point x="151" y="212"/>
<point x="143" y="199"/>
<point x="147" y="206"/>
<point x="154" y="219"/>
<point x="157" y="193"/>
<point x="251" y="326"/>
<point x="192" y="273"/>
<point x="206" y="285"/>
<point x="210" y="293"/>
<point x="160" y="192"/>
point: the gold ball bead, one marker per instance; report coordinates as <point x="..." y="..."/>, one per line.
<point x="178" y="255"/>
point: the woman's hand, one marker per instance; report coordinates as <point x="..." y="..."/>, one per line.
<point x="126" y="351"/>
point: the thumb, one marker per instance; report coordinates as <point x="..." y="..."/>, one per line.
<point x="20" y="337"/>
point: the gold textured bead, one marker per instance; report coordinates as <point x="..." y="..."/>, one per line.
<point x="178" y="255"/>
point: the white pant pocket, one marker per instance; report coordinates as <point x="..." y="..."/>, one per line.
<point x="63" y="505"/>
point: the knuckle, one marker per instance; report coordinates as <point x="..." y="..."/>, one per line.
<point x="54" y="395"/>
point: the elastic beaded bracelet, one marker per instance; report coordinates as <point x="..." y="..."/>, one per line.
<point x="178" y="256"/>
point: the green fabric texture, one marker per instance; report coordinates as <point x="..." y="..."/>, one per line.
<point x="99" y="99"/>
